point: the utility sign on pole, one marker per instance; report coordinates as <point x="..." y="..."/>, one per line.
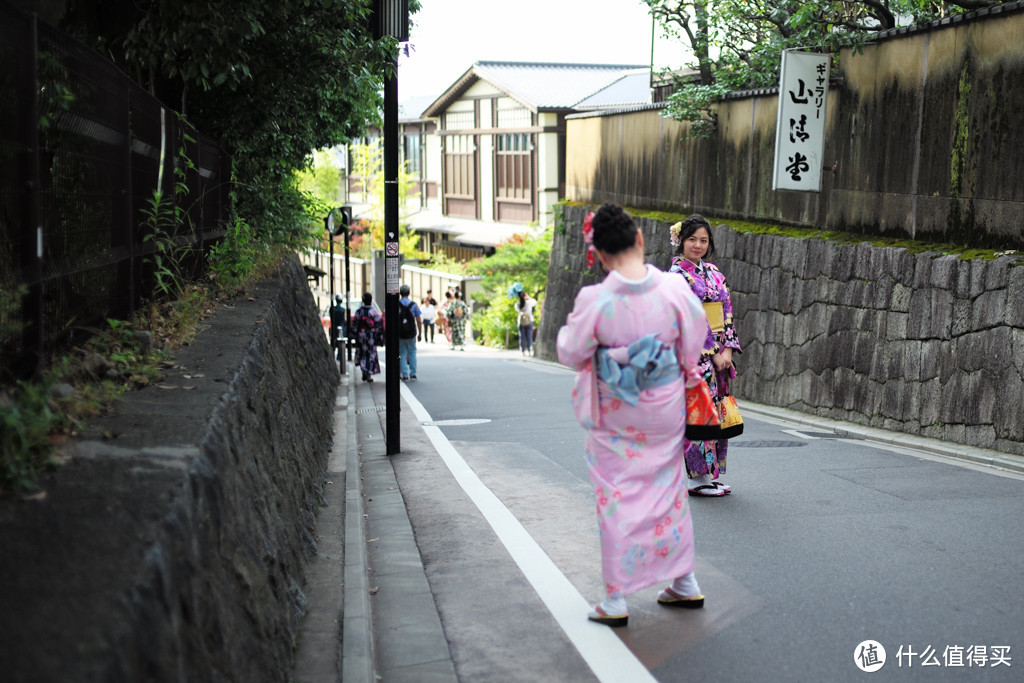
<point x="800" y="129"/>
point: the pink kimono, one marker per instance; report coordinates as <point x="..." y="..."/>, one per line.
<point x="645" y="338"/>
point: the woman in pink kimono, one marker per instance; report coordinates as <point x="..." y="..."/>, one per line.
<point x="705" y="460"/>
<point x="635" y="340"/>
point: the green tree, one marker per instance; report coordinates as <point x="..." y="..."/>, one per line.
<point x="524" y="259"/>
<point x="367" y="163"/>
<point x="271" y="79"/>
<point x="737" y="44"/>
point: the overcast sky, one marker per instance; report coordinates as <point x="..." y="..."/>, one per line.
<point x="449" y="35"/>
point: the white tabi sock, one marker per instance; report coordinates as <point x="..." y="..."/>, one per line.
<point x="686" y="586"/>
<point x="614" y="606"/>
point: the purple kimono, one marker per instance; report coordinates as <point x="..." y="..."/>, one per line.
<point x="708" y="283"/>
<point x="368" y="331"/>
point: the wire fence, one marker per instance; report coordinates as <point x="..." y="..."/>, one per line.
<point x="83" y="152"/>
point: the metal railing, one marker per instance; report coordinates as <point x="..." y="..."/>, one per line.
<point x="83" y="150"/>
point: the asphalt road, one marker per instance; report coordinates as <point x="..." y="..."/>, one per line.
<point x="824" y="543"/>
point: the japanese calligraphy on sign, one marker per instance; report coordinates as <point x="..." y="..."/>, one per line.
<point x="800" y="129"/>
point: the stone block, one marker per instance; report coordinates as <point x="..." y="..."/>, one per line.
<point x="891" y="405"/>
<point x="816" y="354"/>
<point x="960" y="323"/>
<point x="901" y="296"/>
<point x="997" y="273"/>
<point x="864" y="263"/>
<point x="930" y="393"/>
<point x="967" y="399"/>
<point x="840" y="320"/>
<point x="896" y="326"/>
<point x="819" y="253"/>
<point x="954" y="432"/>
<point x="933" y="353"/>
<point x="1015" y="297"/>
<point x="881" y="292"/>
<point x="991" y="350"/>
<point x="991" y="309"/>
<point x="842" y="262"/>
<point x="982" y="436"/>
<point x="943" y="272"/>
<point x="1006" y="418"/>
<point x="931" y="314"/>
<point x="1017" y="350"/>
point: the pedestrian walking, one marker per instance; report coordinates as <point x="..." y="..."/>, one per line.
<point x="337" y="314"/>
<point x="442" y="317"/>
<point x="428" y="311"/>
<point x="695" y="247"/>
<point x="458" y="316"/>
<point x="635" y="341"/>
<point x="524" y="316"/>
<point x="410" y="329"/>
<point x="368" y="332"/>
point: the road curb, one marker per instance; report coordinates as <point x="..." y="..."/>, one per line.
<point x="357" y="646"/>
<point x="978" y="456"/>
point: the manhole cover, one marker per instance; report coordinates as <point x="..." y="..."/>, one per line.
<point x="766" y="444"/>
<point x="457" y="423"/>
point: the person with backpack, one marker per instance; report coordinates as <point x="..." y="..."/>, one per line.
<point x="410" y="329"/>
<point x="524" y="313"/>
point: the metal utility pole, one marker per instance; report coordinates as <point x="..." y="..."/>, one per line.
<point x="391" y="18"/>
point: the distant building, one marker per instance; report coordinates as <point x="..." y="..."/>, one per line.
<point x="502" y="132"/>
<point x="490" y="149"/>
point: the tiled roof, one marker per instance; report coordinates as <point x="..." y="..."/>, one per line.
<point x="538" y="85"/>
<point x="629" y="89"/>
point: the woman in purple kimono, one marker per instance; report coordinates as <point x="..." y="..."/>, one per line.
<point x="368" y="331"/>
<point x="705" y="460"/>
<point x="635" y="340"/>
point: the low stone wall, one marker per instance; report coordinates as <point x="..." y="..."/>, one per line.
<point x="917" y="343"/>
<point x="172" y="545"/>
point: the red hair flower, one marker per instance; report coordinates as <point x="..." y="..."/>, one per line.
<point x="588" y="237"/>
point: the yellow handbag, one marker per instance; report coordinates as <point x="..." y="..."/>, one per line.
<point x="729" y="414"/>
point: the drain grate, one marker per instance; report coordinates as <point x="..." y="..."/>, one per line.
<point x="371" y="409"/>
<point x="824" y="435"/>
<point x="766" y="444"/>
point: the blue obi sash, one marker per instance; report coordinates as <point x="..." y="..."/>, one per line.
<point x="645" y="364"/>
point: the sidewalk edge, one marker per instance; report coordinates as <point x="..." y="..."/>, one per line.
<point x="357" y="649"/>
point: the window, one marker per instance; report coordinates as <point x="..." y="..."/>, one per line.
<point x="514" y="167"/>
<point x="411" y="153"/>
<point x="459" y="166"/>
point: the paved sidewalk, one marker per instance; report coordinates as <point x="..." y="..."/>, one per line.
<point x="371" y="612"/>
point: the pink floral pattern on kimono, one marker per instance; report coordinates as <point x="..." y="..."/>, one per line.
<point x="634" y="452"/>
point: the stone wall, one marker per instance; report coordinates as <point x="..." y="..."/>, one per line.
<point x="918" y="343"/>
<point x="172" y="545"/>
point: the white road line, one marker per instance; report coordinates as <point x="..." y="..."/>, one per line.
<point x="606" y="655"/>
<point x="800" y="435"/>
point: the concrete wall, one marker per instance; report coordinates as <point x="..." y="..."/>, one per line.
<point x="922" y="127"/>
<point x="923" y="344"/>
<point x="172" y="545"/>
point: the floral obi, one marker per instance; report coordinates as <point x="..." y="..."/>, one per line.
<point x="644" y="364"/>
<point x="626" y="371"/>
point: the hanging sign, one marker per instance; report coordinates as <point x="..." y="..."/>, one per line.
<point x="800" y="128"/>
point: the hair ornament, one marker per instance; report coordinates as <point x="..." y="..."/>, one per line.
<point x="674" y="233"/>
<point x="588" y="237"/>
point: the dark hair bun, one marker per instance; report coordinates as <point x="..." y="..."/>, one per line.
<point x="614" y="230"/>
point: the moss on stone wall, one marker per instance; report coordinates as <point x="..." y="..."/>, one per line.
<point x="963" y="251"/>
